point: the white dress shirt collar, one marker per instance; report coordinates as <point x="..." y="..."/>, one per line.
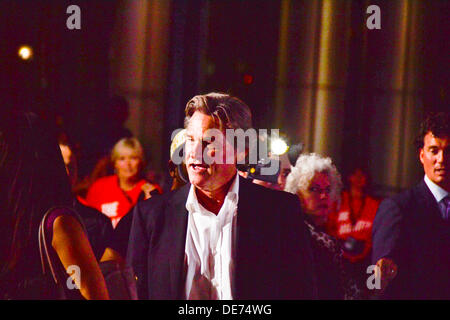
<point x="192" y="204"/>
<point x="438" y="192"/>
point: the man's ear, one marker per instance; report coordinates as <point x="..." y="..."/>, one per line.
<point x="421" y="154"/>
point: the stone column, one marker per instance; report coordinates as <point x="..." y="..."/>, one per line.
<point x="394" y="95"/>
<point x="139" y="63"/>
<point x="312" y="66"/>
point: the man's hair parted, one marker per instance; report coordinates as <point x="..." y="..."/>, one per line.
<point x="228" y="111"/>
<point x="436" y="123"/>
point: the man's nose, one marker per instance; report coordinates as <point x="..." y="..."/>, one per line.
<point x="323" y="195"/>
<point x="196" y="151"/>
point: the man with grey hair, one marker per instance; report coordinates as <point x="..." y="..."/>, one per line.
<point x="220" y="237"/>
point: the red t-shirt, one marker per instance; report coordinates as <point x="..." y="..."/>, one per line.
<point x="341" y="225"/>
<point x="106" y="196"/>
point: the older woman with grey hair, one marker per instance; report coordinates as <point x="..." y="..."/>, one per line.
<point x="317" y="183"/>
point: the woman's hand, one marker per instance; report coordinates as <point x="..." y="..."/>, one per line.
<point x="147" y="188"/>
<point x="386" y="270"/>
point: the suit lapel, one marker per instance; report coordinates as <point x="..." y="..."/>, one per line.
<point x="427" y="203"/>
<point x="178" y="216"/>
<point x="244" y="233"/>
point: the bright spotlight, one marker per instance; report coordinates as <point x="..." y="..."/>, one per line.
<point x="278" y="146"/>
<point x="25" y="52"/>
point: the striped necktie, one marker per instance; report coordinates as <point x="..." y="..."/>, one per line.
<point x="446" y="207"/>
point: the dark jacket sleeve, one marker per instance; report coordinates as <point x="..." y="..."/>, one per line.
<point x="386" y="232"/>
<point x="137" y="253"/>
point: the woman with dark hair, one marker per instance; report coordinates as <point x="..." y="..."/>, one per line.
<point x="98" y="226"/>
<point x="33" y="180"/>
<point x="352" y="222"/>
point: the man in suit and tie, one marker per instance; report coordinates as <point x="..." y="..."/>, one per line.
<point x="411" y="232"/>
<point x="220" y="237"/>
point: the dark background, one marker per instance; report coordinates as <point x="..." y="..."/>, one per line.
<point x="68" y="78"/>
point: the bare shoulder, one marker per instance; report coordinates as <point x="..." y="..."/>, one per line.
<point x="67" y="226"/>
<point x="66" y="221"/>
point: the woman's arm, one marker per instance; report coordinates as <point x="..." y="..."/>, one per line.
<point x="148" y="189"/>
<point x="73" y="248"/>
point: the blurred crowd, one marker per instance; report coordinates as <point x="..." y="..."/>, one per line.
<point x="339" y="211"/>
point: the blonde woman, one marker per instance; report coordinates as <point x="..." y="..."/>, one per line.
<point x="117" y="194"/>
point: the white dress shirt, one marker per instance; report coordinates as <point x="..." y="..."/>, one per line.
<point x="210" y="245"/>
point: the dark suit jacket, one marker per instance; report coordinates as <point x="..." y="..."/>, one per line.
<point x="123" y="228"/>
<point x="409" y="230"/>
<point x="273" y="258"/>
